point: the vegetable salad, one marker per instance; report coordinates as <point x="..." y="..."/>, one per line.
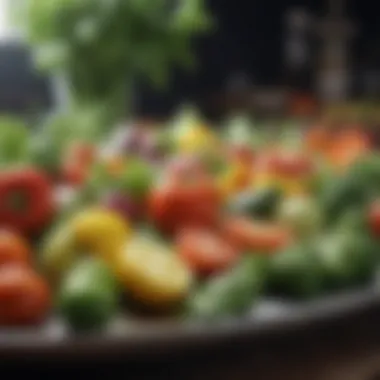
<point x="182" y="220"/>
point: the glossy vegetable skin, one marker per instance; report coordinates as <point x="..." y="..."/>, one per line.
<point x="24" y="296"/>
<point x="296" y="272"/>
<point x="230" y="293"/>
<point x="205" y="251"/>
<point x="26" y="200"/>
<point x="100" y="231"/>
<point x="177" y="204"/>
<point x="255" y="236"/>
<point x="14" y="249"/>
<point x="153" y="274"/>
<point x="347" y="259"/>
<point x="89" y="295"/>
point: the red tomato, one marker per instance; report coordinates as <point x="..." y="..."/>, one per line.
<point x="374" y="218"/>
<point x="179" y="203"/>
<point x="24" y="296"/>
<point x="256" y="236"/>
<point x="287" y="164"/>
<point x="204" y="251"/>
<point x="26" y="200"/>
<point x="13" y="249"/>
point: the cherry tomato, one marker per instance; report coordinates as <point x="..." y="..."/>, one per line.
<point x="13" y="249"/>
<point x="24" y="296"/>
<point x="180" y="203"/>
<point x="255" y="236"/>
<point x="204" y="251"/>
<point x="374" y="218"/>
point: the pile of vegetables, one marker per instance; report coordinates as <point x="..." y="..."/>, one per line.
<point x="183" y="220"/>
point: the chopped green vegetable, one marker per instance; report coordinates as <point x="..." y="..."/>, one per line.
<point x="347" y="258"/>
<point x="296" y="272"/>
<point x="89" y="296"/>
<point x="231" y="293"/>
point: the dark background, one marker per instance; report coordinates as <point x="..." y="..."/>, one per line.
<point x="249" y="40"/>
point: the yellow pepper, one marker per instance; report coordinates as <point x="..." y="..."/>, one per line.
<point x="94" y="231"/>
<point x="152" y="273"/>
<point x="100" y="231"/>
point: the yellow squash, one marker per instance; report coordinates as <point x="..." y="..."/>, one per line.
<point x="152" y="273"/>
<point x="100" y="231"/>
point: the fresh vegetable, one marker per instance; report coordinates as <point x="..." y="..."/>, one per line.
<point x="100" y="231"/>
<point x="256" y="204"/>
<point x="24" y="296"/>
<point x="230" y="293"/>
<point x="89" y="296"/>
<point x="26" y="200"/>
<point x="14" y="249"/>
<point x="296" y="272"/>
<point x="302" y="215"/>
<point x="290" y="171"/>
<point x="179" y="203"/>
<point x="152" y="274"/>
<point x="205" y="252"/>
<point x="343" y="194"/>
<point x="255" y="236"/>
<point x="348" y="258"/>
<point x="59" y="252"/>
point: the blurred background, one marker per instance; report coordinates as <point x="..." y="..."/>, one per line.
<point x="288" y="57"/>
